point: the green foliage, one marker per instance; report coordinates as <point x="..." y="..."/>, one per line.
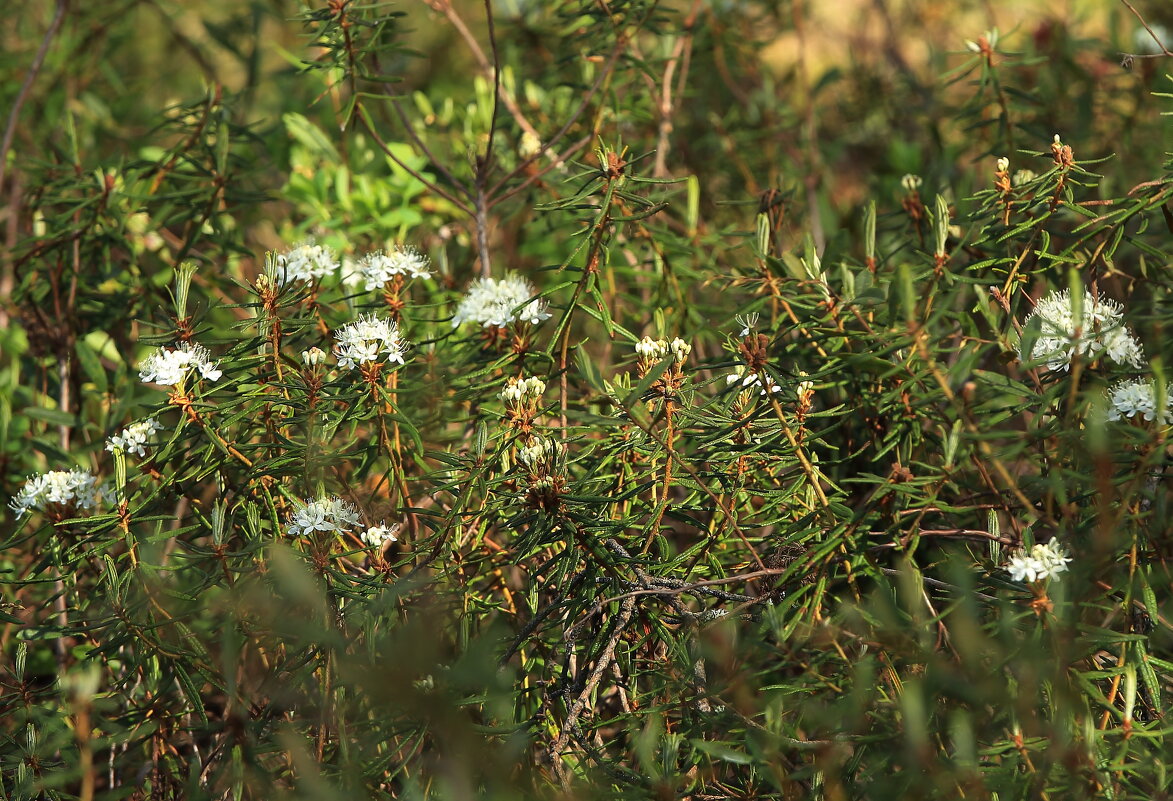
<point x="744" y="487"/>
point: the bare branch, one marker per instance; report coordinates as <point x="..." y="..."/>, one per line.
<point x="22" y="95"/>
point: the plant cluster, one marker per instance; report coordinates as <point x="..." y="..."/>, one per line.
<point x="532" y="466"/>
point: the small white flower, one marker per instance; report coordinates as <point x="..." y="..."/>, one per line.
<point x="497" y="303"/>
<point x="171" y="367"/>
<point x="1023" y="567"/>
<point x="308" y="261"/>
<point x="368" y="339"/>
<point x="1003" y="164"/>
<point x="680" y="349"/>
<point x="1137" y="396"/>
<point x="377" y="536"/>
<point x="134" y="438"/>
<point x="378" y="268"/>
<point x="1099" y="330"/>
<point x="746" y="381"/>
<point x="58" y="488"/>
<point x="748" y="323"/>
<point x="1040" y="562"/>
<point x="323" y="514"/>
<point x="313" y="357"/>
<point x="911" y="183"/>
<point x="805" y="388"/>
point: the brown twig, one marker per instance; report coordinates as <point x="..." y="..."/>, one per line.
<point x="7" y="278"/>
<point x="1164" y="50"/>
<point x="578" y="707"/>
<point x="682" y="47"/>
<point x="22" y="95"/>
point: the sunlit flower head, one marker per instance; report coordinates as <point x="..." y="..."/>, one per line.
<point x="369" y="339"/>
<point x="1040" y="562"/>
<point x="497" y="303"/>
<point x="134" y="438"/>
<point x="57" y="490"/>
<point x="169" y="367"/>
<point x="378" y="536"/>
<point x="1138" y="396"/>
<point x="653" y="350"/>
<point x="308" y="261"/>
<point x="330" y="514"/>
<point x="379" y="267"/>
<point x="1099" y="330"/>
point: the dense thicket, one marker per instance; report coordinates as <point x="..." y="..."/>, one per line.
<point x="584" y="399"/>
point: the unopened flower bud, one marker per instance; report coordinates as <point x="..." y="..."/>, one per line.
<point x="651" y="349"/>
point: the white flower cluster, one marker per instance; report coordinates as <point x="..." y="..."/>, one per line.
<point x="134" y="438"/>
<point x="324" y="514"/>
<point x="493" y="302"/>
<point x="1099" y="330"/>
<point x="1003" y="164"/>
<point x="171" y="367"/>
<point x="747" y="381"/>
<point x="378" y="268"/>
<point x="653" y="350"/>
<point x="1040" y="562"/>
<point x="57" y="488"/>
<point x="543" y="453"/>
<point x="306" y="262"/>
<point x="911" y="183"/>
<point x="527" y="388"/>
<point x="1137" y="396"/>
<point x="377" y="536"/>
<point x="366" y="340"/>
